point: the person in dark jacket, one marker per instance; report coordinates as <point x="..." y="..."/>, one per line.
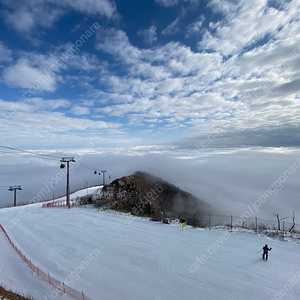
<point x="266" y="249"/>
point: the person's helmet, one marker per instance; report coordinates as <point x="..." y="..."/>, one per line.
<point x="266" y="245"/>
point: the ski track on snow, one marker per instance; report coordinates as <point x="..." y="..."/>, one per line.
<point x="140" y="259"/>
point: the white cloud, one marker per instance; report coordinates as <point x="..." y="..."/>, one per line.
<point x="173" y="86"/>
<point x="244" y="24"/>
<point x="116" y="43"/>
<point x="40" y="104"/>
<point x="172" y="28"/>
<point x="44" y="72"/>
<point x="167" y="3"/>
<point x="23" y="74"/>
<point x="149" y="35"/>
<point x="5" y="53"/>
<point x="32" y="105"/>
<point x="29" y="14"/>
<point x="85" y="61"/>
<point x="103" y="7"/>
<point x="170" y="3"/>
<point x="44" y="122"/>
<point x="80" y="110"/>
<point x="172" y="82"/>
<point x="26" y="15"/>
<point x="88" y="102"/>
<point x="195" y="28"/>
<point x="170" y="69"/>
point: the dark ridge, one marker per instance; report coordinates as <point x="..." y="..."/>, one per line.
<point x="146" y="194"/>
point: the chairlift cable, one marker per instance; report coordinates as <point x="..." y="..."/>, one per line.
<point x="30" y="152"/>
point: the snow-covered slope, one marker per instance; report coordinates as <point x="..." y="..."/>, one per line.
<point x="113" y="256"/>
<point x="16" y="276"/>
<point x="87" y="191"/>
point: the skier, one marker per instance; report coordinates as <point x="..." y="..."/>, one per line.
<point x="266" y="249"/>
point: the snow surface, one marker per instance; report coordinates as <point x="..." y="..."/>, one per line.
<point x="16" y="276"/>
<point x="88" y="191"/>
<point x="116" y="256"/>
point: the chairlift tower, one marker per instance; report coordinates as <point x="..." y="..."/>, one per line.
<point x="103" y="172"/>
<point x="14" y="189"/>
<point x="62" y="166"/>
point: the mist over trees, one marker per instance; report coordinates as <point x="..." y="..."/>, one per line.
<point x="146" y="194"/>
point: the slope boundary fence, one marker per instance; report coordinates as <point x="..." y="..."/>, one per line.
<point x="61" y="287"/>
<point x="244" y="222"/>
<point x="59" y="204"/>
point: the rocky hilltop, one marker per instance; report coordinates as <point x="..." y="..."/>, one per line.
<point x="145" y="194"/>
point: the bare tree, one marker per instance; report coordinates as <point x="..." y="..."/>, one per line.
<point x="279" y="220"/>
<point x="293" y="224"/>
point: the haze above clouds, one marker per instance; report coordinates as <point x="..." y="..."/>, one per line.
<point x="172" y="80"/>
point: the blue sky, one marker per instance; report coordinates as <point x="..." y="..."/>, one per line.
<point x="132" y="73"/>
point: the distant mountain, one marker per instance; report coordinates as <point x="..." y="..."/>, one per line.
<point x="145" y="194"/>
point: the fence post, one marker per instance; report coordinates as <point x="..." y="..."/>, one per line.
<point x="209" y="223"/>
<point x="82" y="295"/>
<point x="48" y="278"/>
<point x="231" y="223"/>
<point x="38" y="271"/>
<point x="255" y="224"/>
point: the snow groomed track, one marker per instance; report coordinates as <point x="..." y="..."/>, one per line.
<point x="140" y="259"/>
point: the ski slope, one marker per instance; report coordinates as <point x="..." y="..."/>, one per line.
<point x="116" y="256"/>
<point x="80" y="193"/>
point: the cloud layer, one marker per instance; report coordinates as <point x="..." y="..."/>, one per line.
<point x="225" y="69"/>
<point x="229" y="179"/>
